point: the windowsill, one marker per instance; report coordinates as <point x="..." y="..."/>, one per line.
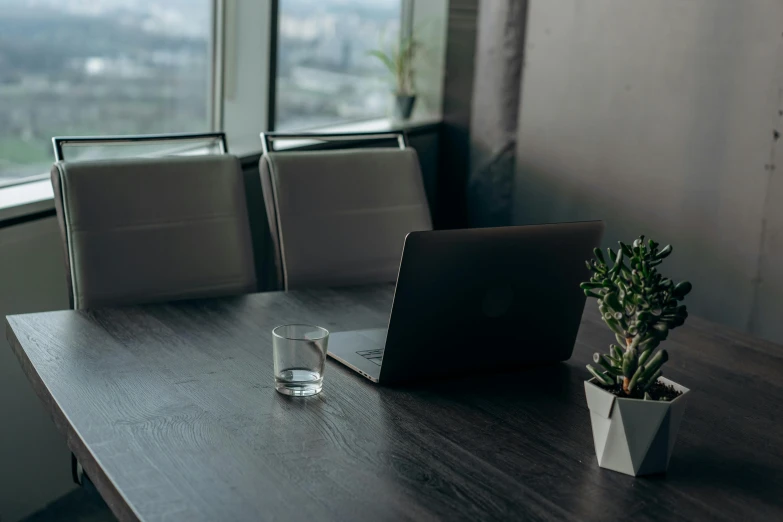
<point x="36" y="199"/>
<point x="25" y="199"/>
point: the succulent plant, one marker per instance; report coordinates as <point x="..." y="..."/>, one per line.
<point x="640" y="306"/>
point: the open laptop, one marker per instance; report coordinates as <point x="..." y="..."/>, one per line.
<point x="478" y="300"/>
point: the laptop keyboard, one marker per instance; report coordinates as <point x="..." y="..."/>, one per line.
<point x="375" y="356"/>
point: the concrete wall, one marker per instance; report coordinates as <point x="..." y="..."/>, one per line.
<point x="660" y="117"/>
<point x="36" y="463"/>
<point x="495" y="112"/>
<point x="461" y="32"/>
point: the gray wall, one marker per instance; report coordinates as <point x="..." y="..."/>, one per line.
<point x="454" y="161"/>
<point x="495" y="111"/>
<point x="35" y="462"/>
<point x="658" y="117"/>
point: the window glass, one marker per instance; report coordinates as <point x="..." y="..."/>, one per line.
<point x="89" y="67"/>
<point x="325" y="75"/>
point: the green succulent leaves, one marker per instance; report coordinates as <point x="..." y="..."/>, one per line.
<point x="682" y="289"/>
<point x="640" y="306"/>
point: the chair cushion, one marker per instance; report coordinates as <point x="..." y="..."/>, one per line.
<point x="143" y="230"/>
<point x="341" y="217"/>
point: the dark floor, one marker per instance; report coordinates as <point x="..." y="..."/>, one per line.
<point x="82" y="505"/>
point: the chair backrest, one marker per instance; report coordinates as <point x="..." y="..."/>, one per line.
<point x="154" y="229"/>
<point x="340" y="217"/>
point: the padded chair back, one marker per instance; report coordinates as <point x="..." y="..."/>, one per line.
<point x="340" y="217"/>
<point x="145" y="230"/>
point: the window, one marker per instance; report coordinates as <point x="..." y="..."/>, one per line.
<point x="325" y="75"/>
<point x="120" y="67"/>
<point x="87" y="67"/>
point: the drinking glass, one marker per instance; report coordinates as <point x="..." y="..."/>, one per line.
<point x="299" y="355"/>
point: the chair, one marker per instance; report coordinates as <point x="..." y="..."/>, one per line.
<point x="152" y="229"/>
<point x="340" y="217"/>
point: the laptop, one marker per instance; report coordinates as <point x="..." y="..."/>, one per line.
<point x="478" y="300"/>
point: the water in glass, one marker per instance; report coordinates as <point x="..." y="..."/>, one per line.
<point x="299" y="358"/>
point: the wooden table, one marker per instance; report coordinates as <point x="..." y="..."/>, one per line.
<point x="172" y="411"/>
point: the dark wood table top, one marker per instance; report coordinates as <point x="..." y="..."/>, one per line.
<point x="172" y="411"/>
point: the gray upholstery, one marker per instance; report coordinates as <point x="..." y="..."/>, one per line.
<point x="340" y="217"/>
<point x="145" y="230"/>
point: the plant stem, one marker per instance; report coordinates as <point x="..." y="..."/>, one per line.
<point x="626" y="380"/>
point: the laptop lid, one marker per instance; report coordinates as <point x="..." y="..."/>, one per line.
<point x="487" y="299"/>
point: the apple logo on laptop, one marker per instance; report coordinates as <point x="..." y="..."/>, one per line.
<point x="497" y="301"/>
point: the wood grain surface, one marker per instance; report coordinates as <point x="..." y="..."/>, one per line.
<point x="172" y="410"/>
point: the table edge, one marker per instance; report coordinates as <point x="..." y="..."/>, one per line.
<point x="109" y="492"/>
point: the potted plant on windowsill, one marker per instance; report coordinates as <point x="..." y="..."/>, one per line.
<point x="634" y="411"/>
<point x="399" y="62"/>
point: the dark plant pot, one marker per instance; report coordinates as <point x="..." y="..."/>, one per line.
<point x="403" y="106"/>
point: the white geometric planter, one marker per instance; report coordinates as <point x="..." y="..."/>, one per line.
<point x="634" y="436"/>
